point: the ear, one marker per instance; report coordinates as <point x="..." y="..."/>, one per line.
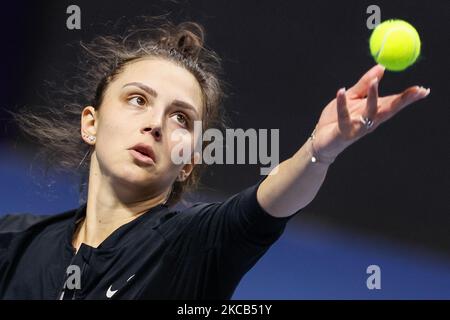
<point x="188" y="167"/>
<point x="89" y="124"/>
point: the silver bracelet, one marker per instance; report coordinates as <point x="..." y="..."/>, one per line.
<point x="315" y="158"/>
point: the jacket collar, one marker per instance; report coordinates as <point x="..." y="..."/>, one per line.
<point x="150" y="219"/>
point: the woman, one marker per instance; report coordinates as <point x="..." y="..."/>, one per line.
<point x="126" y="242"/>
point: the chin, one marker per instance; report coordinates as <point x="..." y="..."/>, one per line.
<point x="134" y="176"/>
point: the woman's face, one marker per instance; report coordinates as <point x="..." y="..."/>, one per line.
<point x="145" y="104"/>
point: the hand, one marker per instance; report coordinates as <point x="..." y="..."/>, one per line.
<point x="340" y="122"/>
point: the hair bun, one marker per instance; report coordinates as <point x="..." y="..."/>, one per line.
<point x="187" y="39"/>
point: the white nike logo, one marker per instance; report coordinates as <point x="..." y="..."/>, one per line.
<point x="110" y="292"/>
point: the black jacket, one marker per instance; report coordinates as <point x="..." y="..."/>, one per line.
<point x="200" y="252"/>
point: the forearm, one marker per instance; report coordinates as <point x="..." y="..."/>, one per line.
<point x="294" y="185"/>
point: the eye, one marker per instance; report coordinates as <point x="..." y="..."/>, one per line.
<point x="181" y="118"/>
<point x="138" y="101"/>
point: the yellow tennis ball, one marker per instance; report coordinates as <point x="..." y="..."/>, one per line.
<point x="395" y="44"/>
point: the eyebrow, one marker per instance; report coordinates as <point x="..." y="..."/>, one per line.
<point x="142" y="86"/>
<point x="185" y="105"/>
<point x="154" y="94"/>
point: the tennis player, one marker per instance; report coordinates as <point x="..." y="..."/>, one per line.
<point x="126" y="241"/>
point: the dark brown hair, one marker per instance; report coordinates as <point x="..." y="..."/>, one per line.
<point x="56" y="127"/>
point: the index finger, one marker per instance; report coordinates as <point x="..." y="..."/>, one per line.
<point x="360" y="89"/>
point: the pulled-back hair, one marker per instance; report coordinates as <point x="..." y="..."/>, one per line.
<point x="56" y="127"/>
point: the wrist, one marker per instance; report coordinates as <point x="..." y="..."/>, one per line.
<point x="316" y="157"/>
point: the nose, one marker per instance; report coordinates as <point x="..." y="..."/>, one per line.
<point x="154" y="130"/>
<point x="155" y="119"/>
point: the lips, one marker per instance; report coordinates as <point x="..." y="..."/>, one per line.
<point x="143" y="153"/>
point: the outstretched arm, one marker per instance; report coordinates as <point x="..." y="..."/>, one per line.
<point x="342" y="122"/>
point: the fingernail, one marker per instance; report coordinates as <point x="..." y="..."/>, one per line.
<point x="342" y="90"/>
<point x="374" y="81"/>
<point x="422" y="92"/>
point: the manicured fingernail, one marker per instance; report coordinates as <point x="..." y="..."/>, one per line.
<point x="422" y="92"/>
<point x="342" y="90"/>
